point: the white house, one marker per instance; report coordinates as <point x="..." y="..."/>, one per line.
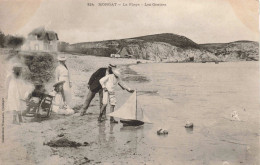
<point x="41" y="40"/>
<point x="115" y="56"/>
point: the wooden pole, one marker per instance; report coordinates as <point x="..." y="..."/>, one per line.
<point x="136" y="104"/>
<point x="3" y="120"/>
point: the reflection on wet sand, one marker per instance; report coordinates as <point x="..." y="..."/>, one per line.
<point x="189" y="130"/>
<point x="107" y="139"/>
<point x="116" y="140"/>
<point x="134" y="136"/>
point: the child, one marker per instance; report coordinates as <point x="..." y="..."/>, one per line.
<point x="14" y="93"/>
<point x="108" y="84"/>
<point x="59" y="105"/>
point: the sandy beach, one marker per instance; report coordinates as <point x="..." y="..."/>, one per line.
<point x="192" y="67"/>
<point x="171" y="95"/>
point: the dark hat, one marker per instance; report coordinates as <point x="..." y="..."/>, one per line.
<point x="111" y="65"/>
<point x="58" y="83"/>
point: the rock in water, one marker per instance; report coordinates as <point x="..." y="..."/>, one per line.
<point x="159" y="131"/>
<point x="162" y="132"/>
<point x="234" y="116"/>
<point x="226" y="163"/>
<point x="189" y="125"/>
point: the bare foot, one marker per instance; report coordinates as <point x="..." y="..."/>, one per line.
<point x="100" y="120"/>
<point x="82" y="113"/>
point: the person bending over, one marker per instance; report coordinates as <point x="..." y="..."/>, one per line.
<point x="95" y="87"/>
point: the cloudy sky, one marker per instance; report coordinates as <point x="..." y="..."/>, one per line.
<point x="203" y="21"/>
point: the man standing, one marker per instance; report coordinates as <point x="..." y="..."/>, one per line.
<point x="95" y="87"/>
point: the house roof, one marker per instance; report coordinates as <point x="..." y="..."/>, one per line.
<point x="43" y="34"/>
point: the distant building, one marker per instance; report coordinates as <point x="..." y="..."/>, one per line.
<point x="115" y="56"/>
<point x="41" y="40"/>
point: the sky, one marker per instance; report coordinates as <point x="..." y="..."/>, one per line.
<point x="203" y="21"/>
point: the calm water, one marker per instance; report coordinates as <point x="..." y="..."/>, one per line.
<point x="205" y="94"/>
<point x="205" y="88"/>
<point x="207" y="84"/>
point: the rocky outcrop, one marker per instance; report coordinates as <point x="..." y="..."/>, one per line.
<point x="168" y="48"/>
<point x="163" y="52"/>
<point x="235" y="51"/>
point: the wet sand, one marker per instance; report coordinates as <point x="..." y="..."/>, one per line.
<point x="107" y="144"/>
<point x="214" y="139"/>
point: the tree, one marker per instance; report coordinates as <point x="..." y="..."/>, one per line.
<point x="2" y="39"/>
<point x="62" y="46"/>
<point x="13" y="41"/>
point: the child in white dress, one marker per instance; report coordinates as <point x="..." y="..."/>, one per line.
<point x="108" y="84"/>
<point x="14" y="95"/>
<point x="62" y="74"/>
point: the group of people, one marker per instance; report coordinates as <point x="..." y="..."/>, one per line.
<point x="103" y="81"/>
<point x="62" y="88"/>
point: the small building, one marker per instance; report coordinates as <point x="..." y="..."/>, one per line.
<point x="41" y="40"/>
<point x="115" y="56"/>
<point x="112" y="55"/>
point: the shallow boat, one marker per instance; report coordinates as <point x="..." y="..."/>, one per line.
<point x="131" y="122"/>
<point x="129" y="113"/>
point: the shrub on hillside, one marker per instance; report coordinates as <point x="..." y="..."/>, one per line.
<point x="13" y="41"/>
<point x="2" y="39"/>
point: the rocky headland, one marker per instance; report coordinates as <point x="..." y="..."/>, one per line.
<point x="167" y="47"/>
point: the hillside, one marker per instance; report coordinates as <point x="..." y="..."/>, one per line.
<point x="172" y="39"/>
<point x="234" y="51"/>
<point x="168" y="47"/>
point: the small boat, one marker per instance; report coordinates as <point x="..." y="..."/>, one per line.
<point x="129" y="113"/>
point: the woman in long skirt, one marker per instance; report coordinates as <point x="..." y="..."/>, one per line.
<point x="62" y="74"/>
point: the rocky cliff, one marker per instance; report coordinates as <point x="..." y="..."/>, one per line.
<point x="234" y="51"/>
<point x="168" y="48"/>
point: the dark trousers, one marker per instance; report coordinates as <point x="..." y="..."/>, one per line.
<point x="90" y="97"/>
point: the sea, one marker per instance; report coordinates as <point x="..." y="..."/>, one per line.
<point x="221" y="100"/>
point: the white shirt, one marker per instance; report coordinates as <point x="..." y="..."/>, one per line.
<point x="62" y="74"/>
<point x="109" y="82"/>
